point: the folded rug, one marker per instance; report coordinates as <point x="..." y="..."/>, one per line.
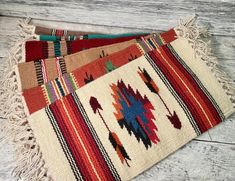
<point x="51" y="34"/>
<point x="38" y="97"/>
<point x="35" y="50"/>
<point x="124" y="122"/>
<point x="39" y="30"/>
<point x="39" y="72"/>
<point x="44" y="70"/>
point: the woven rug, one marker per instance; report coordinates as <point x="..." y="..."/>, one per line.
<point x="114" y="110"/>
<point x="35" y="50"/>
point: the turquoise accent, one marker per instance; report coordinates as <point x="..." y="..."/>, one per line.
<point x="55" y="38"/>
<point x="49" y="38"/>
<point x="93" y="36"/>
<point x="109" y="66"/>
<point x="88" y="36"/>
<point x="57" y="49"/>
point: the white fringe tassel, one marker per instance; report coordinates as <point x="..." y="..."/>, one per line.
<point x="28" y="163"/>
<point x="196" y="36"/>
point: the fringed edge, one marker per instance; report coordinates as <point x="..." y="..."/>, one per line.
<point x="15" y="56"/>
<point x="196" y="36"/>
<point x="27" y="163"/>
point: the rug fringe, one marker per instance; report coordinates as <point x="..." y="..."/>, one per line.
<point x="15" y="56"/>
<point x="196" y="36"/>
<point x="27" y="163"/>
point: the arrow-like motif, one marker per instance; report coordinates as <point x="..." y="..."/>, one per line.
<point x="113" y="138"/>
<point x="173" y="117"/>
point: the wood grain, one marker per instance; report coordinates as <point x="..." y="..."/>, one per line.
<point x="195" y="161"/>
<point x="161" y="14"/>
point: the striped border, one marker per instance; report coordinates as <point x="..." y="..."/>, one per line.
<point x="59" y="88"/>
<point x="174" y="93"/>
<point x="40" y="69"/>
<point x="95" y="162"/>
<point x="203" y="108"/>
<point x="222" y="116"/>
<point x="63" y="144"/>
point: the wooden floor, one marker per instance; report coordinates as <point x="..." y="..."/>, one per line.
<point x="210" y="156"/>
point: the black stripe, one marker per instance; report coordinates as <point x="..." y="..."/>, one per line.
<point x="177" y="97"/>
<point x="206" y="92"/>
<point x="62" y="65"/>
<point x="38" y="69"/>
<point x="64" y="145"/>
<point x="96" y="138"/>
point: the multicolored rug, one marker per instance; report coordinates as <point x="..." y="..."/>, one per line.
<point x="115" y="110"/>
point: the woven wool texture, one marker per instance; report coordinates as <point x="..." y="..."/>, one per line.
<point x="40" y="96"/>
<point x="86" y="36"/>
<point x="50" y="34"/>
<point x="44" y="70"/>
<point x="88" y="106"/>
<point x="39" y="30"/>
<point x="36" y="50"/>
<point x="141" y="107"/>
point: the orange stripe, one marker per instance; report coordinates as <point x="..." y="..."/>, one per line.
<point x="193" y="95"/>
<point x="86" y="142"/>
<point x="82" y="139"/>
<point x="74" y="137"/>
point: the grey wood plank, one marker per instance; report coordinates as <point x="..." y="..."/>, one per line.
<point x="161" y="14"/>
<point x="224" y="132"/>
<point x="195" y="161"/>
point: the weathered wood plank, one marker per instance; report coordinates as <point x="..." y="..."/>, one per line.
<point x="218" y="15"/>
<point x="195" y="161"/>
<point x="224" y="132"/>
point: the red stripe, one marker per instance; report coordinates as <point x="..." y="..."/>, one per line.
<point x="79" y="159"/>
<point x="92" y="148"/>
<point x="84" y="144"/>
<point x="190" y="105"/>
<point x="194" y="108"/>
<point x="101" y="164"/>
<point x="78" y="143"/>
<point x="211" y="110"/>
<point x="36" y="50"/>
<point x="168" y="36"/>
